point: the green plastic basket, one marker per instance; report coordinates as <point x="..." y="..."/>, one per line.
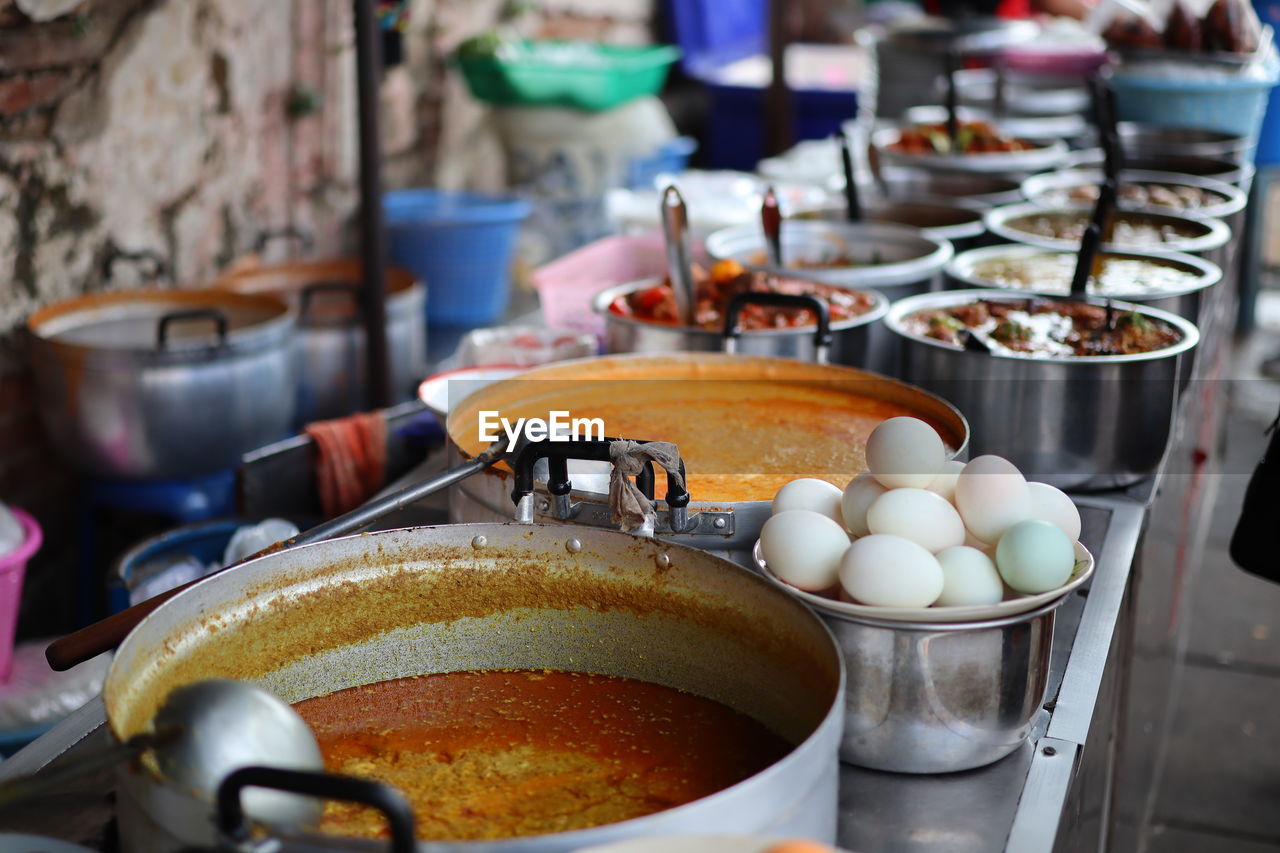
<point x="581" y="75"/>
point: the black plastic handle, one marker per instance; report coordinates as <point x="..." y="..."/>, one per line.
<point x="306" y="240"/>
<point x="393" y="805"/>
<point x="821" y="338"/>
<point x="219" y="323"/>
<point x="558" y="454"/>
<point x="308" y="293"/>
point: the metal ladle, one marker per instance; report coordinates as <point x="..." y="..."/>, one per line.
<point x="675" y="228"/>
<point x="201" y="733"/>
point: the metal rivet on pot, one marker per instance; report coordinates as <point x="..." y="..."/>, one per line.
<point x="573" y="546"/>
<point x="479" y="542"/>
<point x="544" y="505"/>
<point x="719" y="524"/>
<point x="1050" y="751"/>
<point x="663" y="561"/>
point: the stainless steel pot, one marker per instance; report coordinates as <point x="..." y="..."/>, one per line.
<point x="956" y="220"/>
<point x="846" y="342"/>
<point x="1228" y="171"/>
<point x="939" y="697"/>
<point x="1209" y="235"/>
<point x="974" y="187"/>
<point x="1048" y="154"/>
<point x="1095" y="422"/>
<point x="717" y="523"/>
<point x="1139" y="140"/>
<point x="1052" y="189"/>
<point x="163" y="383"/>
<point x="368" y="608"/>
<point x="330" y="336"/>
<point x="894" y="259"/>
<point x="962" y="272"/>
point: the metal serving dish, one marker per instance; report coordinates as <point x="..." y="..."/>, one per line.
<point x="368" y="608"/>
<point x="1228" y="171"/>
<point x="1138" y="139"/>
<point x="1076" y="422"/>
<point x="725" y="520"/>
<point x="1053" y="189"/>
<point x="973" y="187"/>
<point x="956" y="220"/>
<point x="962" y="272"/>
<point x="850" y="339"/>
<point x="1209" y="235"/>
<point x="330" y="335"/>
<point x="1048" y="154"/>
<point x="893" y="259"/>
<point x="146" y="384"/>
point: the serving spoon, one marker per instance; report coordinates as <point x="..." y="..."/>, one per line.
<point x="771" y="222"/>
<point x="201" y="733"/>
<point x="675" y="228"/>
<point x="852" y="200"/>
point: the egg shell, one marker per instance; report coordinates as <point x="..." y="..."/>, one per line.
<point x="1035" y="556"/>
<point x="859" y="495"/>
<point x="924" y="517"/>
<point x="1052" y="505"/>
<point x="804" y="548"/>
<point x="889" y="571"/>
<point x="991" y="494"/>
<point x="969" y="578"/>
<point x="945" y="483"/>
<point x="905" y="452"/>
<point x="812" y="494"/>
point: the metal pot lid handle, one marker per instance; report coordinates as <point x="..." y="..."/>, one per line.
<point x="558" y="454"/>
<point x="305" y="238"/>
<point x="160" y="269"/>
<point x="308" y="293"/>
<point x="330" y="786"/>
<point x="821" y="337"/>
<point x="218" y="317"/>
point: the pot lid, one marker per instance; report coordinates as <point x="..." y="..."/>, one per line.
<point x="178" y="321"/>
<point x="324" y="290"/>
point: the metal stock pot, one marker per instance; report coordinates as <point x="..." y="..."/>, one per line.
<point x="163" y="383"/>
<point x="742" y="423"/>
<point x="842" y="342"/>
<point x="330" y="336"/>
<point x="348" y="612"/>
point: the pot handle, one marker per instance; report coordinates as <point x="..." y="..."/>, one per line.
<point x="821" y="337"/>
<point x="159" y="264"/>
<point x="306" y="240"/>
<point x="307" y="293"/>
<point x="219" y="323"/>
<point x="558" y="454"/>
<point x="386" y="799"/>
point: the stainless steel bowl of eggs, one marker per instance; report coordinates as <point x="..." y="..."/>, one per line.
<point x="940" y="580"/>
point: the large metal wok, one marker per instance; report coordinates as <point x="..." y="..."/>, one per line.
<point x="347" y="612"/>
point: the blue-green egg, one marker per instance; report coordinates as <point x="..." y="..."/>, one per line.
<point x="1035" y="556"/>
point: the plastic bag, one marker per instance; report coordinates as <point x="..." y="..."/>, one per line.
<point x="11" y="533"/>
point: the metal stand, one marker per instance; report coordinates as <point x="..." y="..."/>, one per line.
<point x="373" y="238"/>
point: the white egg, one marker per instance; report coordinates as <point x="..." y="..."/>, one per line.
<point x="1052" y="505"/>
<point x="803" y="548"/>
<point x="812" y="494"/>
<point x="905" y="453"/>
<point x="969" y="578"/>
<point x="925" y="518"/>
<point x="991" y="495"/>
<point x="889" y="571"/>
<point x="859" y="495"/>
<point x="1035" y="556"/>
<point x="945" y="483"/>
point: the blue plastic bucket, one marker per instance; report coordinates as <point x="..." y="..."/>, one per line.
<point x="1232" y="105"/>
<point x="460" y="244"/>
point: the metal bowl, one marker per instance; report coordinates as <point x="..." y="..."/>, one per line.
<point x="962" y="272"/>
<point x="1139" y="139"/>
<point x="1219" y="169"/>
<point x="893" y="258"/>
<point x="1040" y="188"/>
<point x="850" y="339"/>
<point x="1049" y="155"/>
<point x="1076" y="422"/>
<point x="953" y="219"/>
<point x="973" y="187"/>
<point x="1210" y="234"/>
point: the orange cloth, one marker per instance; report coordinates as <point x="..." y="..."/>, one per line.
<point x="351" y="460"/>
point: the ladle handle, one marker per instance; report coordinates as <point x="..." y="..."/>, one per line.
<point x="771" y="223"/>
<point x="953" y="121"/>
<point x="24" y="787"/>
<point x="330" y="786"/>
<point x="852" y="201"/>
<point x="821" y="338"/>
<point x="675" y="228"/>
<point x="558" y="453"/>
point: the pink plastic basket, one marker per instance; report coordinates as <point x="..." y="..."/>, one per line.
<point x="566" y="285"/>
<point x="12" y="567"/>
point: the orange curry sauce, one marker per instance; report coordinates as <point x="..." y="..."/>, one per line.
<point x="503" y="753"/>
